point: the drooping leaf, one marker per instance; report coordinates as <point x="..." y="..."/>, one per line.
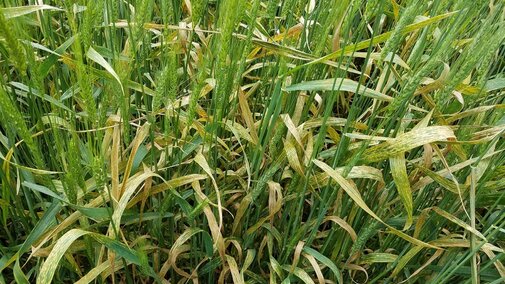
<point x="98" y="58"/>
<point x="407" y="141"/>
<point x="326" y="261"/>
<point x="13" y="12"/>
<point x="353" y="192"/>
<point x="339" y="84"/>
<point x="401" y="179"/>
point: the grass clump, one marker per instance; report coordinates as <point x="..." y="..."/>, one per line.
<point x="252" y="141"/>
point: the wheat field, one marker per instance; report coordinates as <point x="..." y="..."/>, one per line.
<point x="234" y="141"/>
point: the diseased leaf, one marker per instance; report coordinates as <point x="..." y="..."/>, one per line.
<point x="235" y="273"/>
<point x="51" y="263"/>
<point x="324" y="260"/>
<point x="292" y="128"/>
<point x="356" y="197"/>
<point x="98" y="270"/>
<point x="129" y="189"/>
<point x="339" y="84"/>
<point x="300" y="273"/>
<point x="405" y="259"/>
<point x="292" y="157"/>
<point x="408" y="141"/>
<point x="317" y="269"/>
<point x="344" y="225"/>
<point x="458" y="222"/>
<point x="401" y="179"/>
<point x="348" y="49"/>
<point x="378" y="257"/>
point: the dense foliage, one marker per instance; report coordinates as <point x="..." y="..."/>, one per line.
<point x="234" y="141"/>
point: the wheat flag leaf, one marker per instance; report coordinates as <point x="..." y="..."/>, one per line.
<point x="339" y="84"/>
<point x="401" y="179"/>
<point x="98" y="58"/>
<point x="292" y="156"/>
<point x="324" y="260"/>
<point x="99" y="269"/>
<point x="14" y="12"/>
<point x="202" y="162"/>
<point x="458" y="222"/>
<point x="375" y="40"/>
<point x="408" y="141"/>
<point x="238" y="278"/>
<point x="49" y="267"/>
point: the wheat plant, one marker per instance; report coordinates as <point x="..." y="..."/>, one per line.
<point x="234" y="141"/>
